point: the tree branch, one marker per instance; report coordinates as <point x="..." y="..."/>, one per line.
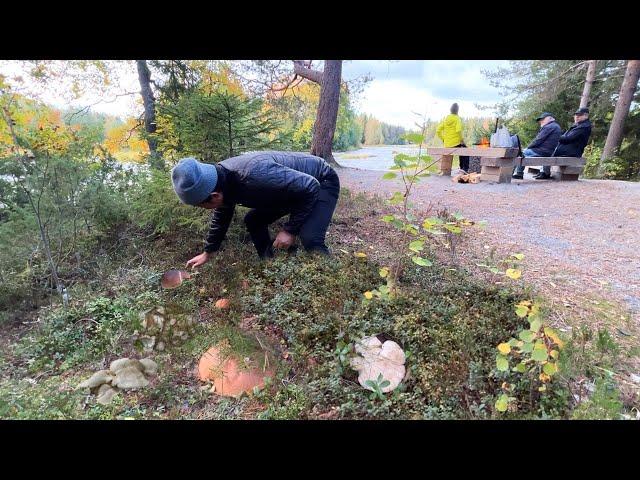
<point x="299" y="68"/>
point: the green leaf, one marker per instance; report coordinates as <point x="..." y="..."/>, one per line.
<point x="384" y="384"/>
<point x="453" y="228"/>
<point x="396" y="199"/>
<point x="518" y="256"/>
<point x="388" y="218"/>
<point x="384" y="271"/>
<point x="527" y="347"/>
<point x="416" y="246"/>
<point x="522" y="311"/>
<point x="521" y="367"/>
<point x="502" y="363"/>
<point x="414" y="138"/>
<point x="535" y="325"/>
<point x="421" y="261"/>
<point x="539" y="354"/>
<point x="389" y="176"/>
<point x="526" y="336"/>
<point x="502" y="403"/>
<point x="550" y="368"/>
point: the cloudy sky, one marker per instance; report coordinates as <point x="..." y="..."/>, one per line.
<point x="424" y="86"/>
<point x="398" y="88"/>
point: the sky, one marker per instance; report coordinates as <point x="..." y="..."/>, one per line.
<point x="398" y="89"/>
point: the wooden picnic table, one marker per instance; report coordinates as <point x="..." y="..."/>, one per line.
<point x="496" y="162"/>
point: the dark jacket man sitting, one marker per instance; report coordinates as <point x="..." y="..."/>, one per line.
<point x="545" y="142"/>
<point x="573" y="141"/>
<point x="273" y="184"/>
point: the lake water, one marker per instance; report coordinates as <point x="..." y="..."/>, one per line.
<point x="377" y="157"/>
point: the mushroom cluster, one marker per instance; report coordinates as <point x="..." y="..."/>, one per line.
<point x="375" y="358"/>
<point x="232" y="376"/>
<point x="161" y="326"/>
<point x="123" y="374"/>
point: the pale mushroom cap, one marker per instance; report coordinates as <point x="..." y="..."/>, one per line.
<point x="97" y="379"/>
<point x="377" y="358"/>
<point x="392" y="351"/>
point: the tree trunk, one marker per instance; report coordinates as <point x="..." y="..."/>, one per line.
<point x="327" y="115"/>
<point x="144" y="77"/>
<point x="591" y="75"/>
<point x="627" y="91"/>
<point x="324" y="127"/>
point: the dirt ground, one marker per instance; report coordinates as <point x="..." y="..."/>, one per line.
<point x="581" y="239"/>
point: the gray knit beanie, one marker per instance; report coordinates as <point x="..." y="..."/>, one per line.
<point x="193" y="181"/>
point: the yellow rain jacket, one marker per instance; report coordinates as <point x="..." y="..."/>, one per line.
<point x="450" y="130"/>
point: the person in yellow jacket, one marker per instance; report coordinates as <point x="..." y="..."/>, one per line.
<point x="450" y="132"/>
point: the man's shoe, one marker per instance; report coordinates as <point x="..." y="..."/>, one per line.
<point x="518" y="176"/>
<point x="542" y="176"/>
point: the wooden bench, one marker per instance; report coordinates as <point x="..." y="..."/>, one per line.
<point x="562" y="168"/>
<point x="499" y="170"/>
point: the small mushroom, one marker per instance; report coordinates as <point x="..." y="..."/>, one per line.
<point x="222" y="303"/>
<point x="173" y="278"/>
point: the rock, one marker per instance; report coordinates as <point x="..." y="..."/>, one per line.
<point x="129" y="378"/>
<point x="105" y="394"/>
<point x="150" y="367"/>
<point x="121" y="363"/>
<point x="160" y="346"/>
<point x="635" y="378"/>
<point x="97" y="379"/>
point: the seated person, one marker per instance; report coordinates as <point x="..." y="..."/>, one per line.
<point x="544" y="143"/>
<point x="573" y="141"/>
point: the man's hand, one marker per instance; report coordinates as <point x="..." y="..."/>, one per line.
<point x="199" y="260"/>
<point x="284" y="240"/>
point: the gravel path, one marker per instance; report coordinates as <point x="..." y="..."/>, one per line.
<point x="578" y="237"/>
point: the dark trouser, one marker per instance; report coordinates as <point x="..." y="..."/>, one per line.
<point x="527" y="152"/>
<point x="464" y="160"/>
<point x="313" y="231"/>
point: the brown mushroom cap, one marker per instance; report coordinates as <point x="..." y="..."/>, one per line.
<point x="228" y="377"/>
<point x="173" y="278"/>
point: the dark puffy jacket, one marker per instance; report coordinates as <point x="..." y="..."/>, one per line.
<point x="547" y="139"/>
<point x="573" y="141"/>
<point x="287" y="181"/>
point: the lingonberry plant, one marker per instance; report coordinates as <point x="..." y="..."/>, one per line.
<point x="535" y="353"/>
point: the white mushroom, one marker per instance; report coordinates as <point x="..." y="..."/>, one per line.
<point x="376" y="358"/>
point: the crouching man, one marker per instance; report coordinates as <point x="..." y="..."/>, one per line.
<point x="272" y="184"/>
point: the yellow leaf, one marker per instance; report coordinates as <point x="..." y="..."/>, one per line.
<point x="360" y="254"/>
<point x="504" y="348"/>
<point x="554" y="354"/>
<point x="553" y="336"/>
<point x="543" y="388"/>
<point x="384" y="271"/>
<point x="513" y="273"/>
<point x="368" y="295"/>
<point x="544" y="377"/>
